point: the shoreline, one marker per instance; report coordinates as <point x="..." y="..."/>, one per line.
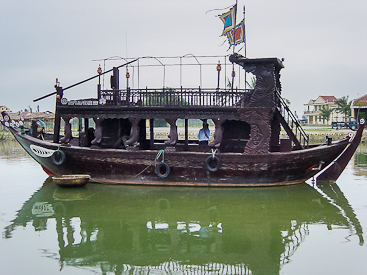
<point x="6" y="136"/>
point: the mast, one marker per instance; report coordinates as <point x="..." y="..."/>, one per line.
<point x="244" y="33"/>
<point x="235" y="24"/>
<point x="234" y="46"/>
<point x="244" y="30"/>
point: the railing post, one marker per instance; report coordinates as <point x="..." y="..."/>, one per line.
<point x="59" y="95"/>
<point x="180" y="98"/>
<point x="164" y="97"/>
<point x="147" y="98"/>
<point x="115" y="84"/>
<point x="99" y="91"/>
<point x="128" y="95"/>
<point x="200" y="96"/>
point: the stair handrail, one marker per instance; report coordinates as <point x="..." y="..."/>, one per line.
<point x="283" y="106"/>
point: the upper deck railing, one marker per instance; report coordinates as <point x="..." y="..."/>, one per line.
<point x="178" y="97"/>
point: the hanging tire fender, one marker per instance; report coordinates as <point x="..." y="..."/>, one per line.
<point x="58" y="157"/>
<point x="212" y="163"/>
<point x="162" y="170"/>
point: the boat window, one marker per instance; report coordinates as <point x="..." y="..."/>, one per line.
<point x="187" y="131"/>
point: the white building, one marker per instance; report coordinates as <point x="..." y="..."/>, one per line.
<point x="314" y="108"/>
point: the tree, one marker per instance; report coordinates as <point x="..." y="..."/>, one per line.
<point x="167" y="96"/>
<point x="229" y="84"/>
<point x="252" y="82"/>
<point x="343" y="106"/>
<point x="287" y="101"/>
<point x="325" y="113"/>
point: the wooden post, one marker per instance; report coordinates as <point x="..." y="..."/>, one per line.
<point x="59" y="94"/>
<point x="99" y="91"/>
<point x="115" y="85"/>
<point x="186" y="134"/>
<point x="151" y="125"/>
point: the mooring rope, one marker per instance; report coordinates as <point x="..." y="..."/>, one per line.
<point x="159" y="154"/>
<point x="142" y="171"/>
<point x="214" y="152"/>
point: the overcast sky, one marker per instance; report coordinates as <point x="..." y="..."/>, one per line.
<point x="323" y="42"/>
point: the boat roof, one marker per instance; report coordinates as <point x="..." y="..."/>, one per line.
<point x="241" y="60"/>
<point x="221" y="99"/>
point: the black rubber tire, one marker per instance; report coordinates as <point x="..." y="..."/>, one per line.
<point x="166" y="170"/>
<point x="58" y="157"/>
<point x="209" y="161"/>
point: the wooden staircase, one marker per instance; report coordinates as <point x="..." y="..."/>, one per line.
<point x="291" y="125"/>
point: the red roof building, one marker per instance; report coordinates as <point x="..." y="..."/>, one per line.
<point x="359" y="105"/>
<point x="314" y="108"/>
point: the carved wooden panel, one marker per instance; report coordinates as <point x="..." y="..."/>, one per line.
<point x="259" y="121"/>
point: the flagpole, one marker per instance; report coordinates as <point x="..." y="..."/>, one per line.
<point x="244" y="27"/>
<point x="234" y="45"/>
<point x="244" y="34"/>
<point x="235" y="23"/>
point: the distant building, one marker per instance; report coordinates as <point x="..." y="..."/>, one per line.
<point x="47" y="117"/>
<point x="314" y="108"/>
<point x="359" y="105"/>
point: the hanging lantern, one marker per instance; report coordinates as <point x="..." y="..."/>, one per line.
<point x="219" y="67"/>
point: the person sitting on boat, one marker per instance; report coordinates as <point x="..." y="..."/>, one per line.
<point x="38" y="129"/>
<point x="204" y="134"/>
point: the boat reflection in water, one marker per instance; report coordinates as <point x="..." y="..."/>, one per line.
<point x="359" y="161"/>
<point x="170" y="230"/>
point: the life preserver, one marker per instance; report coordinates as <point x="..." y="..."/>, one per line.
<point x="210" y="161"/>
<point x="162" y="167"/>
<point x="58" y="157"/>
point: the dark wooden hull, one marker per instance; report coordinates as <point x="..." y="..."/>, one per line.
<point x="186" y="168"/>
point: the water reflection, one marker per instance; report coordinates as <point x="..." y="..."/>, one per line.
<point x="359" y="161"/>
<point x="11" y="151"/>
<point x="164" y="230"/>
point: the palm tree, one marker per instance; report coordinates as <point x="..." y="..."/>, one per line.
<point x="325" y="113"/>
<point x="343" y="106"/>
<point x="287" y="101"/>
<point x="229" y="83"/>
<point x="252" y="82"/>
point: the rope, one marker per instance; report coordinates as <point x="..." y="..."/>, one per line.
<point x="159" y="154"/>
<point x="142" y="171"/>
<point x="214" y="152"/>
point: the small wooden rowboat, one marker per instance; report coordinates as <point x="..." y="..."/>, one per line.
<point x="71" y="180"/>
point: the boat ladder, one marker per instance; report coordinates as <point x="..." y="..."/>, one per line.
<point x="291" y="124"/>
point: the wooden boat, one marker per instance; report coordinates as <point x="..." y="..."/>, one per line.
<point x="246" y="150"/>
